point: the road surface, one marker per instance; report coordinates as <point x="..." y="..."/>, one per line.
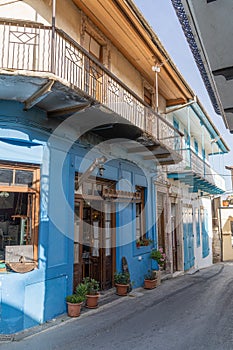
<point x="190" y="312"/>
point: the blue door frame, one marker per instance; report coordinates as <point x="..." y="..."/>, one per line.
<point x="188" y="238"/>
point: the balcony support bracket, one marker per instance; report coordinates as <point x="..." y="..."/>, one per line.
<point x="39" y="95"/>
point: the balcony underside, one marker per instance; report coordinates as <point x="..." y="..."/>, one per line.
<point x="195" y="182"/>
<point x="60" y="101"/>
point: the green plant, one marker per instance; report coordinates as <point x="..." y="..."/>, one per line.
<point x="159" y="256"/>
<point x="143" y="242"/>
<point x="92" y="286"/>
<point x="81" y="290"/>
<point x="121" y="278"/>
<point x="74" y="299"/>
<point x="150" y="275"/>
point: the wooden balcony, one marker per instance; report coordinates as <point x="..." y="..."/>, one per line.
<point x="197" y="174"/>
<point x="46" y="68"/>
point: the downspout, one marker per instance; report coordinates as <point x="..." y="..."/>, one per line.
<point x="53" y="36"/>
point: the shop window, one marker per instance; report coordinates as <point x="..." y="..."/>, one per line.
<point x="141" y="238"/>
<point x="19" y="208"/>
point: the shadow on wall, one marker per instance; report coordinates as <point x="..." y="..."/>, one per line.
<point x="14" y="320"/>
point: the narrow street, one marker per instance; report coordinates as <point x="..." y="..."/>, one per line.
<point x="188" y="312"/>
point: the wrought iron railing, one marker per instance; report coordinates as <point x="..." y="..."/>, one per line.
<point x="192" y="162"/>
<point x="32" y="47"/>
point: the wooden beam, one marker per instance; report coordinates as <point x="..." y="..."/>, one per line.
<point x="68" y="110"/>
<point x="39" y="95"/>
<point x="142" y="148"/>
<point x="175" y="102"/>
<point x="157" y="156"/>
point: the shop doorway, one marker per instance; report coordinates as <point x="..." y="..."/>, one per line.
<point x="94" y="240"/>
<point x="161" y="219"/>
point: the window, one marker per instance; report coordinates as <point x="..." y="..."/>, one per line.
<point x="177" y="142"/>
<point x="19" y="208"/>
<point x="148" y="97"/>
<point x="92" y="46"/>
<point x="196" y="146"/>
<point x="140" y="217"/>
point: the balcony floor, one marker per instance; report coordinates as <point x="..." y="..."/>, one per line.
<point x="59" y="99"/>
<point x="195" y="182"/>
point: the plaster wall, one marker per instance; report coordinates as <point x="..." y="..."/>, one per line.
<point x="73" y="22"/>
<point x="197" y="202"/>
<point x="226" y="219"/>
<point x="58" y="161"/>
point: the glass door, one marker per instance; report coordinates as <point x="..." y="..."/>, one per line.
<point x="93" y="239"/>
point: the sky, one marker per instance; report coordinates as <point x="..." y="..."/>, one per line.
<point x="161" y="16"/>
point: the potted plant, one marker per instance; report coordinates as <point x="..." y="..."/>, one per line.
<point x="92" y="293"/>
<point x="150" y="280"/>
<point x="121" y="283"/>
<point x="74" y="304"/>
<point x="159" y="257"/>
<point x="143" y="242"/>
<point x="75" y="301"/>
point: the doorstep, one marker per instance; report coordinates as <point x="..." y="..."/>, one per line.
<point x="177" y="274"/>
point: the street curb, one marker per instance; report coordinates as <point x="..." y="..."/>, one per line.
<point x="60" y="321"/>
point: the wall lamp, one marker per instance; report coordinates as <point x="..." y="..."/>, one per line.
<point x="101" y="170"/>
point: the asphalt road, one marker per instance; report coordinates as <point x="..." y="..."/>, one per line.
<point x="188" y="312"/>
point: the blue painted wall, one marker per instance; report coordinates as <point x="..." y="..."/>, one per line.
<point x="41" y="293"/>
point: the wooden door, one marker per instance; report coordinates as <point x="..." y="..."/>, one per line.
<point x="161" y="220"/>
<point x="94" y="234"/>
<point x="188" y="238"/>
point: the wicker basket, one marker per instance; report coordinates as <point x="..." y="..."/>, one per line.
<point x="22" y="267"/>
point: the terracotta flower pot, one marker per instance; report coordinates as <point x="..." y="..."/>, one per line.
<point x="74" y="310"/>
<point x="150" y="284"/>
<point x="92" y="301"/>
<point x="121" y="289"/>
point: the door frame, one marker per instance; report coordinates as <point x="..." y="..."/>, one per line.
<point x="78" y="270"/>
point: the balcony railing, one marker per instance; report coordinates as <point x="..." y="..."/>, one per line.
<point x="192" y="162"/>
<point x="31" y="47"/>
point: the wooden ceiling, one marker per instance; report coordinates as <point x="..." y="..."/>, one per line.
<point x="124" y="26"/>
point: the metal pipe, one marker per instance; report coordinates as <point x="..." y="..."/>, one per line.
<point x="53" y="36"/>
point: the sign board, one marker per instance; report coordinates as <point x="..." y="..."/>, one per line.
<point x="16" y="252"/>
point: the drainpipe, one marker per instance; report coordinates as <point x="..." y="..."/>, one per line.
<point x="53" y="36"/>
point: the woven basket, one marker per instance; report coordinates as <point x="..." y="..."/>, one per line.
<point x="22" y="267"/>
